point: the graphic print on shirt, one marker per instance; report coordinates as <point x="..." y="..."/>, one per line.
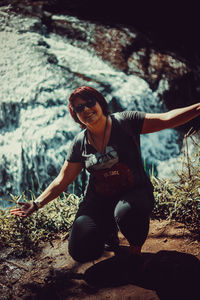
<point x="111" y="177"/>
<point x="100" y="161"/>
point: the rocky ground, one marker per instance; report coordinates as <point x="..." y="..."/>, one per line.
<point x="39" y="277"/>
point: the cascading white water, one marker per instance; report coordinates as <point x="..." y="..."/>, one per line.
<point x="38" y="73"/>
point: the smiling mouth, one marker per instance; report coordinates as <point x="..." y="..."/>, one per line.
<point x="89" y="115"/>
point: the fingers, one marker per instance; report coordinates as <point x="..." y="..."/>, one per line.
<point x="23" y="211"/>
<point x="19" y="214"/>
<point x="16" y="210"/>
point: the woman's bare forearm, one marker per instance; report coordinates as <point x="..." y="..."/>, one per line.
<point x="170" y="119"/>
<point x="67" y="175"/>
<point x="51" y="192"/>
<point x="180" y="116"/>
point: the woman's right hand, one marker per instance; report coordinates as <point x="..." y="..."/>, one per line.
<point x="26" y="209"/>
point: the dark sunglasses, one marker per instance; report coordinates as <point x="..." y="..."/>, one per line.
<point x="81" y="107"/>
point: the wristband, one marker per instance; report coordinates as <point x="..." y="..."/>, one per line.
<point x="35" y="205"/>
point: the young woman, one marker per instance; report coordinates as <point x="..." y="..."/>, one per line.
<point x="119" y="194"/>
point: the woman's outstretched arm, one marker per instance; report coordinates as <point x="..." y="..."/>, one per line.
<point x="170" y="119"/>
<point x="67" y="175"/>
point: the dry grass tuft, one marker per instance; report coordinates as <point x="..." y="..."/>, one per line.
<point x="178" y="198"/>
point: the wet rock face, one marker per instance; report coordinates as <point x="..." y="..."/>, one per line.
<point x="170" y="26"/>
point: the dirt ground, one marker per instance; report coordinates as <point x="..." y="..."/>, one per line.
<point x="29" y="278"/>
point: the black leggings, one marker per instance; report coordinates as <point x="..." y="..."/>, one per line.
<point x="95" y="221"/>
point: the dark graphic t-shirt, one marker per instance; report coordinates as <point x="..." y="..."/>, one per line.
<point x="120" y="168"/>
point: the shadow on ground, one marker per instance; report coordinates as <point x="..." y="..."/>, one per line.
<point x="173" y="275"/>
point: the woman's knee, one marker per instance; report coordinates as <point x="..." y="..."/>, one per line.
<point x="85" y="241"/>
<point x="122" y="210"/>
<point x="133" y="223"/>
<point x="126" y="211"/>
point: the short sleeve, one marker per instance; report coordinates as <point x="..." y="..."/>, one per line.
<point x="132" y="121"/>
<point x="74" y="153"/>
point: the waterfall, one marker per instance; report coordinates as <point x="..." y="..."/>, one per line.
<point x="38" y="73"/>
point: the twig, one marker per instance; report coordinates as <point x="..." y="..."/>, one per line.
<point x="17" y="265"/>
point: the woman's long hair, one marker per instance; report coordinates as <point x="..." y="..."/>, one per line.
<point x="86" y="93"/>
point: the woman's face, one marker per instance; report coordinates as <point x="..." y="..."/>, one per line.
<point x="88" y="115"/>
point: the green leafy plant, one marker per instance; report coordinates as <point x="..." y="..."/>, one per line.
<point x="24" y="235"/>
